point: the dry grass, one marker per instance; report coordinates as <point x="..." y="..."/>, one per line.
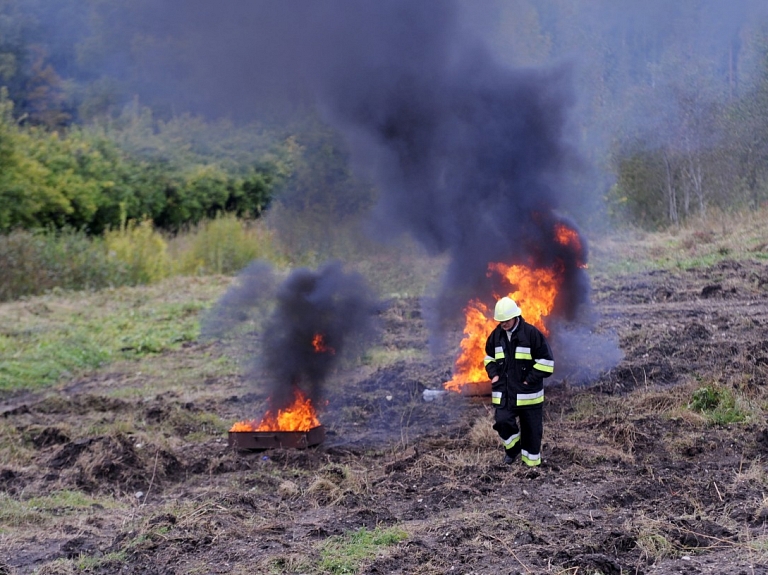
<point x="334" y="482"/>
<point x="653" y="543"/>
<point x="15" y="449"/>
<point x="717" y="236"/>
<point x="324" y="493"/>
<point x="482" y="434"/>
<point x="754" y="471"/>
<point x="578" y="452"/>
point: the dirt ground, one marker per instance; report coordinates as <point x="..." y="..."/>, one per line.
<point x="633" y="480"/>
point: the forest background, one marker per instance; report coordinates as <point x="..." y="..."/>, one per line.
<point x="108" y="179"/>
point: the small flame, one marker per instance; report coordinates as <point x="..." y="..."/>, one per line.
<point x="299" y="416"/>
<point x="319" y="345"/>
<point x="569" y="238"/>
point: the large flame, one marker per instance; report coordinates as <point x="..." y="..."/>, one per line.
<point x="299" y="416"/>
<point x="534" y="289"/>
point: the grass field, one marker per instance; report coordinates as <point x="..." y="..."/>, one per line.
<point x="115" y="413"/>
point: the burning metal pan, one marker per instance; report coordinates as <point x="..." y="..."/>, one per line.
<point x="476" y="388"/>
<point x="470" y="389"/>
<point x="277" y="439"/>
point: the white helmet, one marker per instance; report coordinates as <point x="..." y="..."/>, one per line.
<point x="506" y="309"/>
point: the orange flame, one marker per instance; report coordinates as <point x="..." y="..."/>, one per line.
<point x="319" y="345"/>
<point x="534" y="290"/>
<point x="535" y="294"/>
<point x="299" y="416"/>
<point x="567" y="237"/>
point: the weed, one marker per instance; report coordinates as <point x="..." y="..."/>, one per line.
<point x="705" y="398"/>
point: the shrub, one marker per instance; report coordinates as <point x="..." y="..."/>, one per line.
<point x="141" y="250"/>
<point x="33" y="263"/>
<point x="225" y="245"/>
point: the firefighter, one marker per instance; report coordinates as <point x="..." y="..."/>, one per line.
<point x="517" y="359"/>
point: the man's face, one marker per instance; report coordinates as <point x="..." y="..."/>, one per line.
<point x="509" y="324"/>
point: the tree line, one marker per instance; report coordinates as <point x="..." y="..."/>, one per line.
<point x="673" y="103"/>
<point x="95" y="177"/>
<point x="714" y="157"/>
<point x="673" y="107"/>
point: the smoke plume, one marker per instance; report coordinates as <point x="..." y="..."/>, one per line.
<point x="307" y="324"/>
<point x="470" y="157"/>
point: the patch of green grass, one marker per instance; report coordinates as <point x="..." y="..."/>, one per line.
<point x="40" y="510"/>
<point x="55" y="337"/>
<point x="383" y="356"/>
<point x="718" y="404"/>
<point x="346" y="553"/>
<point x="109" y="560"/>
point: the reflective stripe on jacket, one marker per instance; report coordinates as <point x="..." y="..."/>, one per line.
<point x="521" y="363"/>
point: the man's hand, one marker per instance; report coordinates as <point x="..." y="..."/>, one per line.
<point x="495" y="379"/>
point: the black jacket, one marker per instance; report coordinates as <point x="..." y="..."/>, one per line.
<point x="521" y="363"/>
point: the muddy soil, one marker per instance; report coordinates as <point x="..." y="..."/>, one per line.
<point x="633" y="480"/>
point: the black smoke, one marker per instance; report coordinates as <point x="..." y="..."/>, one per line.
<point x="470" y="157"/>
<point x="303" y="326"/>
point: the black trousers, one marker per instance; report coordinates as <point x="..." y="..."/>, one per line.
<point x="523" y="439"/>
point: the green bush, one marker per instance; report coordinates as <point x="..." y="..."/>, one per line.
<point x="225" y="245"/>
<point x="141" y="250"/>
<point x="34" y="263"/>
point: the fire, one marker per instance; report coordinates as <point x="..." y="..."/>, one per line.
<point x="299" y="416"/>
<point x="467" y="369"/>
<point x="534" y="289"/>
<point x="319" y="345"/>
<point x="569" y="238"/>
<point x="535" y="294"/>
